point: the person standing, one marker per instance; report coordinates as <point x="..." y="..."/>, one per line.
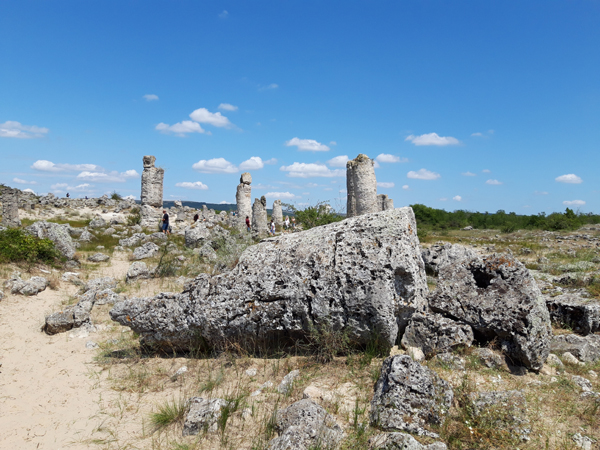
<point x="196" y="217"/>
<point x="248" y="223"/>
<point x="286" y="224"/>
<point x="272" y="228"/>
<point x="165" y="222"/>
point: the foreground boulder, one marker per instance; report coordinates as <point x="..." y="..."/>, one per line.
<point x="57" y="233"/>
<point x="582" y="315"/>
<point x="305" y="425"/>
<point x="440" y="255"/>
<point x="148" y="250"/>
<point x="33" y="286"/>
<point x="363" y="276"/>
<point x="434" y="333"/>
<point x="584" y="348"/>
<point x="408" y="397"/>
<point x="499" y="299"/>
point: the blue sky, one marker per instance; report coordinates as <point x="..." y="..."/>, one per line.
<point x="466" y="104"/>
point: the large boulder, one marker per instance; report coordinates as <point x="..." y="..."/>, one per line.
<point x="305" y="425"/>
<point x="195" y="235"/>
<point x="69" y="318"/>
<point x="148" y="250"/>
<point x="134" y="240"/>
<point x="97" y="222"/>
<point x="582" y="315"/>
<point x="137" y="271"/>
<point x="434" y="333"/>
<point x="57" y="233"/>
<point x="442" y="254"/>
<point x="409" y="397"/>
<point x="499" y="299"/>
<point x="33" y="286"/>
<point x="363" y="276"/>
<point x="585" y="348"/>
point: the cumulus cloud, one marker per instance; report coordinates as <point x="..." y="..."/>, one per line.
<point x="271" y="161"/>
<point x="227" y="107"/>
<point x="64" y="187"/>
<point x="387" y="158"/>
<point x="254" y="163"/>
<point x="129" y="197"/>
<point x="150" y="97"/>
<point x="108" y="177"/>
<point x="21" y="181"/>
<point x="432" y="139"/>
<point x="573" y="203"/>
<point x="48" y="166"/>
<point x="570" y="178"/>
<point x="457" y="198"/>
<point x="385" y="185"/>
<point x="198" y="185"/>
<point x="215" y="165"/>
<point x="203" y="115"/>
<point x="405" y="187"/>
<point x="307" y="145"/>
<point x="494" y="182"/>
<point x="468" y="174"/>
<point x="12" y="129"/>
<point x="181" y="128"/>
<point x="338" y="161"/>
<point x="423" y="174"/>
<point x="281" y="195"/>
<point x="308" y="170"/>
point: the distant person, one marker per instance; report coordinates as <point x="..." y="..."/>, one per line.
<point x="165" y="222"/>
<point x="272" y="228"/>
<point x="286" y="224"/>
<point x="196" y="217"/>
<point x="293" y="223"/>
<point x="67" y="195"/>
<point x="248" y="223"/>
<point x="86" y="197"/>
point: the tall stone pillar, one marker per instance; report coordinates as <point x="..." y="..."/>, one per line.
<point x="362" y="184"/>
<point x="384" y="202"/>
<point x="10" y="207"/>
<point x="243" y="199"/>
<point x="152" y="193"/>
<point x="259" y="216"/>
<point x="277" y="213"/>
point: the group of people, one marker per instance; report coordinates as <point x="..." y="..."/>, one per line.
<point x="271" y="226"/>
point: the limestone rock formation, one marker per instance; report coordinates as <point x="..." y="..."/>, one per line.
<point x="363" y="275"/>
<point x="196" y="235"/>
<point x="259" y="216"/>
<point x="148" y="250"/>
<point x="361" y="185"/>
<point x="401" y="441"/>
<point x="59" y="234"/>
<point x="408" y="397"/>
<point x="203" y="415"/>
<point x="305" y="425"/>
<point x="151" y="198"/>
<point x="584" y="348"/>
<point x="277" y="214"/>
<point x="434" y="333"/>
<point x="442" y="254"/>
<point x="10" y="207"/>
<point x="33" y="286"/>
<point x="582" y="315"/>
<point x="98" y="257"/>
<point x="137" y="271"/>
<point x="499" y="299"/>
<point x="384" y="203"/>
<point x="243" y="199"/>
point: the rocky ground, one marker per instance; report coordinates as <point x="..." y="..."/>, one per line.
<point x="90" y="384"/>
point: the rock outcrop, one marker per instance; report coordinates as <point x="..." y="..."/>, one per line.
<point x="148" y="250"/>
<point x="10" y="207"/>
<point x="203" y="415"/>
<point x="151" y="198"/>
<point x="363" y="276"/>
<point x="584" y="348"/>
<point x="434" y="333"/>
<point x="441" y="254"/>
<point x="361" y="185"/>
<point x="243" y="199"/>
<point x="582" y="315"/>
<point x="277" y="214"/>
<point x="384" y="203"/>
<point x="57" y="233"/>
<point x="499" y="299"/>
<point x="259" y="216"/>
<point x="33" y="286"/>
<point x="401" y="441"/>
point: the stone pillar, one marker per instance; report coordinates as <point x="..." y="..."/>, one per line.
<point x="351" y="200"/>
<point x="363" y="185"/>
<point x="243" y="199"/>
<point x="277" y="213"/>
<point x="384" y="203"/>
<point x="10" y="207"/>
<point x="259" y="216"/>
<point x="152" y="193"/>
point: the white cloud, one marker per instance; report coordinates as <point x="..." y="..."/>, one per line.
<point x="405" y="187"/>
<point x="64" y="187"/>
<point x="307" y="145"/>
<point x="108" y="177"/>
<point x="224" y="14"/>
<point x="494" y="182"/>
<point x="573" y="203"/>
<point x="387" y="158"/>
<point x="486" y="171"/>
<point x="12" y="129"/>
<point x="332" y="143"/>
<point x="215" y="165"/>
<point x="338" y="161"/>
<point x="541" y="193"/>
<point x="227" y="107"/>
<point x="199" y="185"/>
<point x="254" y="163"/>
<point x="271" y="161"/>
<point x="385" y="185"/>
<point x="20" y="181"/>
<point x="570" y="178"/>
<point x="281" y="195"/>
<point x="477" y="134"/>
<point x="457" y="198"/>
<point x="203" y="115"/>
<point x="432" y="139"/>
<point x="468" y="174"/>
<point x="48" y="166"/>
<point x="181" y="128"/>
<point x="423" y="174"/>
<point x="304" y="170"/>
<point x="268" y="87"/>
<point x="150" y="97"/>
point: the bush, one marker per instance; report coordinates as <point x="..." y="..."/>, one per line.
<point x="314" y="216"/>
<point x="116" y="196"/>
<point x="134" y="217"/>
<point x="18" y="246"/>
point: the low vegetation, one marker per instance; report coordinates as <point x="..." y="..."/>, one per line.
<point x="18" y="246"/>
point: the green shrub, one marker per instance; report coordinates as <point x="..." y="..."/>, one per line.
<point x="134" y="217"/>
<point x="18" y="246"/>
<point x="314" y="216"/>
<point x="168" y="413"/>
<point x="116" y="196"/>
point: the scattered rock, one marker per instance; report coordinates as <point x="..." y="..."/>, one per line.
<point x="490" y="358"/>
<point x="582" y="315"/>
<point x="86" y="236"/>
<point x="137" y="271"/>
<point x="148" y="250"/>
<point x="251" y="372"/>
<point x="554" y="361"/>
<point x="451" y="361"/>
<point x="583" y="383"/>
<point x="109" y="231"/>
<point x="91" y="345"/>
<point x="71" y="277"/>
<point x="99" y="284"/>
<point x="196" y="235"/>
<point x="583" y="442"/>
<point x="434" y="333"/>
<point x="33" y="286"/>
<point x="71" y="317"/>
<point x="570" y="359"/>
<point x="508" y="409"/>
<point x="1" y="295"/>
<point x="203" y="415"/>
<point x="98" y="222"/>
<point x="133" y="241"/>
<point x="98" y="257"/>
<point x="401" y="441"/>
<point x="305" y="425"/>
<point x="57" y="233"/>
<point x="585" y="348"/>
<point x="408" y="397"/>
<point x="287" y="383"/>
<point x="106" y="297"/>
<point x="415" y="353"/>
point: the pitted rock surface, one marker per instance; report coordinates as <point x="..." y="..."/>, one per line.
<point x="401" y="441"/>
<point x="408" y="397"/>
<point x="498" y="298"/>
<point x="33" y="286"/>
<point x="434" y="333"/>
<point x="582" y="315"/>
<point x="585" y="348"/>
<point x="440" y="255"/>
<point x="148" y="250"/>
<point x="364" y="275"/>
<point x="59" y="234"/>
<point x="203" y="415"/>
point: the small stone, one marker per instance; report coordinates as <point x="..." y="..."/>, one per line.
<point x="554" y="360"/>
<point x="592" y="374"/>
<point x="415" y="353"/>
<point x="583" y="383"/>
<point x="251" y="372"/>
<point x="583" y="442"/>
<point x="203" y="415"/>
<point x="287" y="383"/>
<point x="570" y="359"/>
<point x="91" y="345"/>
<point x="98" y="257"/>
<point x="100" y="247"/>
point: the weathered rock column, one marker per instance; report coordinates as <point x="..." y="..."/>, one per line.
<point x="259" y="216"/>
<point x="384" y="202"/>
<point x="277" y="213"/>
<point x="10" y="207"/>
<point x="362" y="187"/>
<point x="351" y="199"/>
<point x="152" y="193"/>
<point x="243" y="199"/>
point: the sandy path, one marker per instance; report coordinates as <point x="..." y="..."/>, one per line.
<point x="48" y="393"/>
